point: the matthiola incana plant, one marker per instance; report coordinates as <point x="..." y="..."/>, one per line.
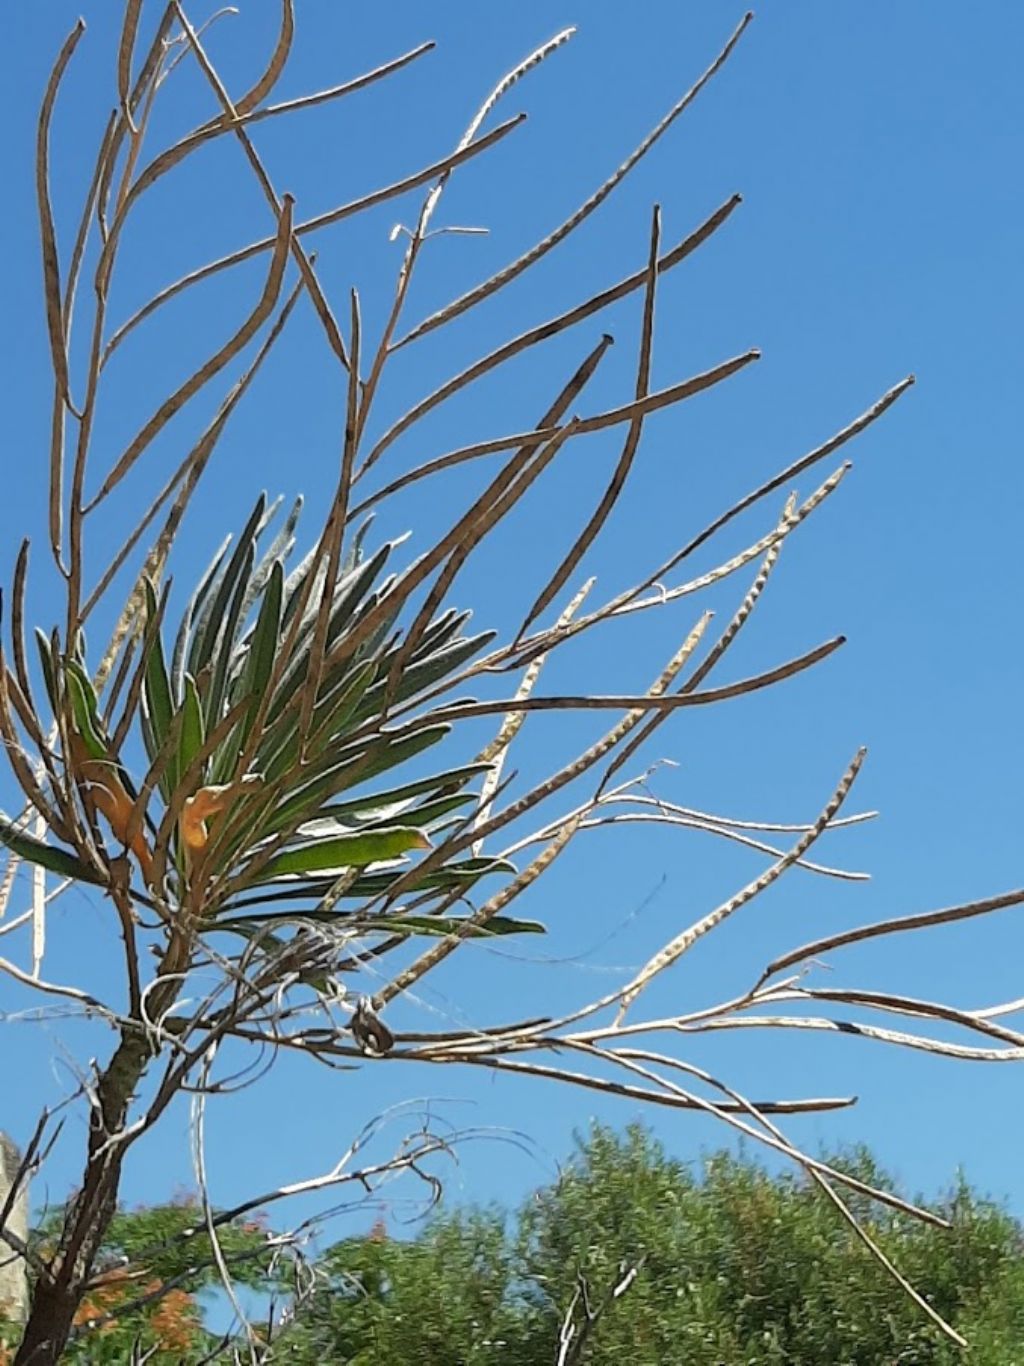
<point x="271" y="779"/>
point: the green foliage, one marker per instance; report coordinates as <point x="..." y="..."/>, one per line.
<point x="443" y="1298"/>
<point x="54" y="860"/>
<point x="146" y="1288"/>
<point x="271" y="715"/>
<point x="737" y="1265"/>
<point x="161" y="1237"/>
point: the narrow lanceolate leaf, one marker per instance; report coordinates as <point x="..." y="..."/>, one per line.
<point x="442" y="629"/>
<point x="435" y="926"/>
<point x="46" y="663"/>
<point x="280" y="548"/>
<point x="211" y="620"/>
<point x="372" y="884"/>
<point x="424" y="816"/>
<point x="364" y="763"/>
<point x="334" y="714"/>
<point x="356" y="850"/>
<point x="263" y="646"/>
<point x="260" y="651"/>
<point x="84" y="709"/>
<point x="348" y="594"/>
<point x="192" y="729"/>
<point x="279" y="746"/>
<point x="420" y="817"/>
<point x="459" y="875"/>
<point x="416" y="677"/>
<point x="397" y="749"/>
<point x="366" y="807"/>
<point x="58" y="861"/>
<point x="193" y="613"/>
<point x="224" y="632"/>
<point x="441" y="926"/>
<point x="156" y="695"/>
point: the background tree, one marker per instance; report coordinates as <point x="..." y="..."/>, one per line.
<point x="732" y="1263"/>
<point x="238" y="774"/>
<point x="152" y="1275"/>
<point x="736" y="1263"/>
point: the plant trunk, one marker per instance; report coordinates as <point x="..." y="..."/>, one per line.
<point x="56" y="1297"/>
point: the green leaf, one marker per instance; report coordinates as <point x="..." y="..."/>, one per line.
<point x="375" y="644"/>
<point x="365" y="763"/>
<point x="349" y="591"/>
<point x="355" y="850"/>
<point x="259" y="656"/>
<point x="362" y="808"/>
<point x="445" y="925"/>
<point x="84" y="709"/>
<point x="347" y="595"/>
<point x="47" y="856"/>
<point x="435" y="926"/>
<point x="354" y="555"/>
<point x="159" y="708"/>
<point x="398" y="749"/>
<point x="192" y="729"/>
<point x="425" y="815"/>
<point x="278" y="752"/>
<point x="156" y="694"/>
<point x="294" y="582"/>
<point x="210" y="624"/>
<point x="279" y="747"/>
<point x="439" y="632"/>
<point x="263" y="645"/>
<point x="224" y="642"/>
<point x="444" y="879"/>
<point x="418" y="676"/>
<point x="333" y="715"/>
<point x="192" y="611"/>
<point x="46" y="662"/>
<point x="280" y="548"/>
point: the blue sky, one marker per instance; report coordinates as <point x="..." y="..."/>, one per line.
<point x="877" y="149"/>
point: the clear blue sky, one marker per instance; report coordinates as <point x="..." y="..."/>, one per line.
<point x="878" y="149"/>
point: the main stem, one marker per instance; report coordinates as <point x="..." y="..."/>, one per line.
<point x="56" y="1298"/>
<point x="59" y="1293"/>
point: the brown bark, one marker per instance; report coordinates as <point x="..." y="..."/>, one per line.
<point x="56" y="1298"/>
